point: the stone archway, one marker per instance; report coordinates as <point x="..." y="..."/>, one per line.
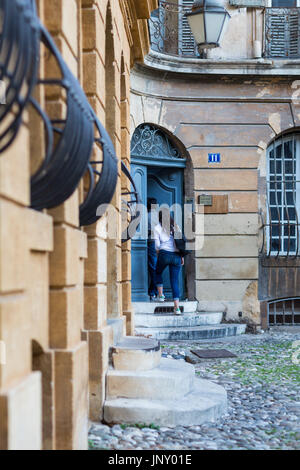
<point x="160" y="164"/>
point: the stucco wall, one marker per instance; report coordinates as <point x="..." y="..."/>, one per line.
<point x="236" y="117"/>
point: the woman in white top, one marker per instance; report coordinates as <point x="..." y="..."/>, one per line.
<point x="168" y="255"/>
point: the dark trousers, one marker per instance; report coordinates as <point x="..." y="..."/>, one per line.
<point x="173" y="260"/>
<point x="152" y="261"/>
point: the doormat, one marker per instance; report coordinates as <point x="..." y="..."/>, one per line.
<point x="166" y="309"/>
<point x="213" y="353"/>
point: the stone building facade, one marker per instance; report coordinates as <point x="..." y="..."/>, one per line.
<point x="65" y="289"/>
<point x="234" y="104"/>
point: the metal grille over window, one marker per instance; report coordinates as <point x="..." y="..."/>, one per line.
<point x="284" y="311"/>
<point x="19" y="53"/>
<point x="101" y="179"/>
<point x="69" y="139"/>
<point x="170" y="32"/>
<point x="282" y="32"/>
<point x="283" y="198"/>
<point x="131" y="212"/>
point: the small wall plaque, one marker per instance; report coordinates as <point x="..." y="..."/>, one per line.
<point x="214" y="158"/>
<point x="205" y="200"/>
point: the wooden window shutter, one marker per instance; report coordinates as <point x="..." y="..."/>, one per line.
<point x="187" y="44"/>
<point x="282" y="33"/>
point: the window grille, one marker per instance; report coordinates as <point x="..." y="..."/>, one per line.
<point x="283" y="196"/>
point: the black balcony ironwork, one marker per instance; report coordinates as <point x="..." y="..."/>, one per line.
<point x="131" y="209"/>
<point x="69" y="140"/>
<point x="282" y="33"/>
<point x="103" y="176"/>
<point x="170" y="32"/>
<point x="19" y="61"/>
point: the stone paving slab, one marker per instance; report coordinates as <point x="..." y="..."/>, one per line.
<point x="263" y="387"/>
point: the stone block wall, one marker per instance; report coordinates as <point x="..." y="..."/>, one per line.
<point x="60" y="283"/>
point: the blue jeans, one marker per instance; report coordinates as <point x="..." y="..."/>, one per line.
<point x="173" y="260"/>
<point x="152" y="261"/>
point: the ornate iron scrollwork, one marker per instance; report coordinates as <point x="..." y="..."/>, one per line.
<point x="170" y="32"/>
<point x="102" y="184"/>
<point x="70" y="140"/>
<point x="130" y="207"/>
<point x="150" y="141"/>
<point x="19" y="60"/>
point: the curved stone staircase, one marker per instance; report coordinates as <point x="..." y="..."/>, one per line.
<point x="156" y="320"/>
<point x="142" y="387"/>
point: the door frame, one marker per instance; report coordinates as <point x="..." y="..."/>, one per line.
<point x="156" y="163"/>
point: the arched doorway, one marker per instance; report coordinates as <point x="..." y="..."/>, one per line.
<point x="157" y="166"/>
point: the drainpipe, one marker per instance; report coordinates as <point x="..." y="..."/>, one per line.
<point x="257" y="44"/>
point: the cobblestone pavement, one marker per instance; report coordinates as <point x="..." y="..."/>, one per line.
<point x="263" y="386"/>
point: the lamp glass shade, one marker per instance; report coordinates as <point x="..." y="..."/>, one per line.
<point x="196" y="23"/>
<point x="227" y="18"/>
<point x="208" y="22"/>
<point x="214" y="26"/>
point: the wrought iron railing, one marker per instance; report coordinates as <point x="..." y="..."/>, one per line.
<point x="169" y="29"/>
<point x="282" y="33"/>
<point x="103" y="175"/>
<point x="69" y="139"/>
<point x="19" y="60"/>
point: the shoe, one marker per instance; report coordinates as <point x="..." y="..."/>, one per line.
<point x="161" y="298"/>
<point x="153" y="298"/>
<point x="177" y="311"/>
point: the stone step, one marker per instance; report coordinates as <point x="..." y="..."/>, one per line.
<point x="206" y="403"/>
<point x="134" y="353"/>
<point x="170" y="380"/>
<point x="194" y="332"/>
<point x="165" y="320"/>
<point x="150" y="307"/>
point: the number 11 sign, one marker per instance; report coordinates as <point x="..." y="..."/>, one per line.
<point x="214" y="158"/>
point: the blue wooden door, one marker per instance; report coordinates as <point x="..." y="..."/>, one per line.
<point x="165" y="185"/>
<point x="139" y="260"/>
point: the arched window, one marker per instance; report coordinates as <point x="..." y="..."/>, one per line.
<point x="283" y="181"/>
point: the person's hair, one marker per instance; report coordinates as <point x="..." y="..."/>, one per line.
<point x="166" y="220"/>
<point x="151" y="201"/>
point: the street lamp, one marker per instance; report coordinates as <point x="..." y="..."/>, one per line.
<point x="208" y="21"/>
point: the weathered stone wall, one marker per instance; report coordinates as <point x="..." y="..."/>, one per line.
<point x="60" y="284"/>
<point x="236" y="117"/>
